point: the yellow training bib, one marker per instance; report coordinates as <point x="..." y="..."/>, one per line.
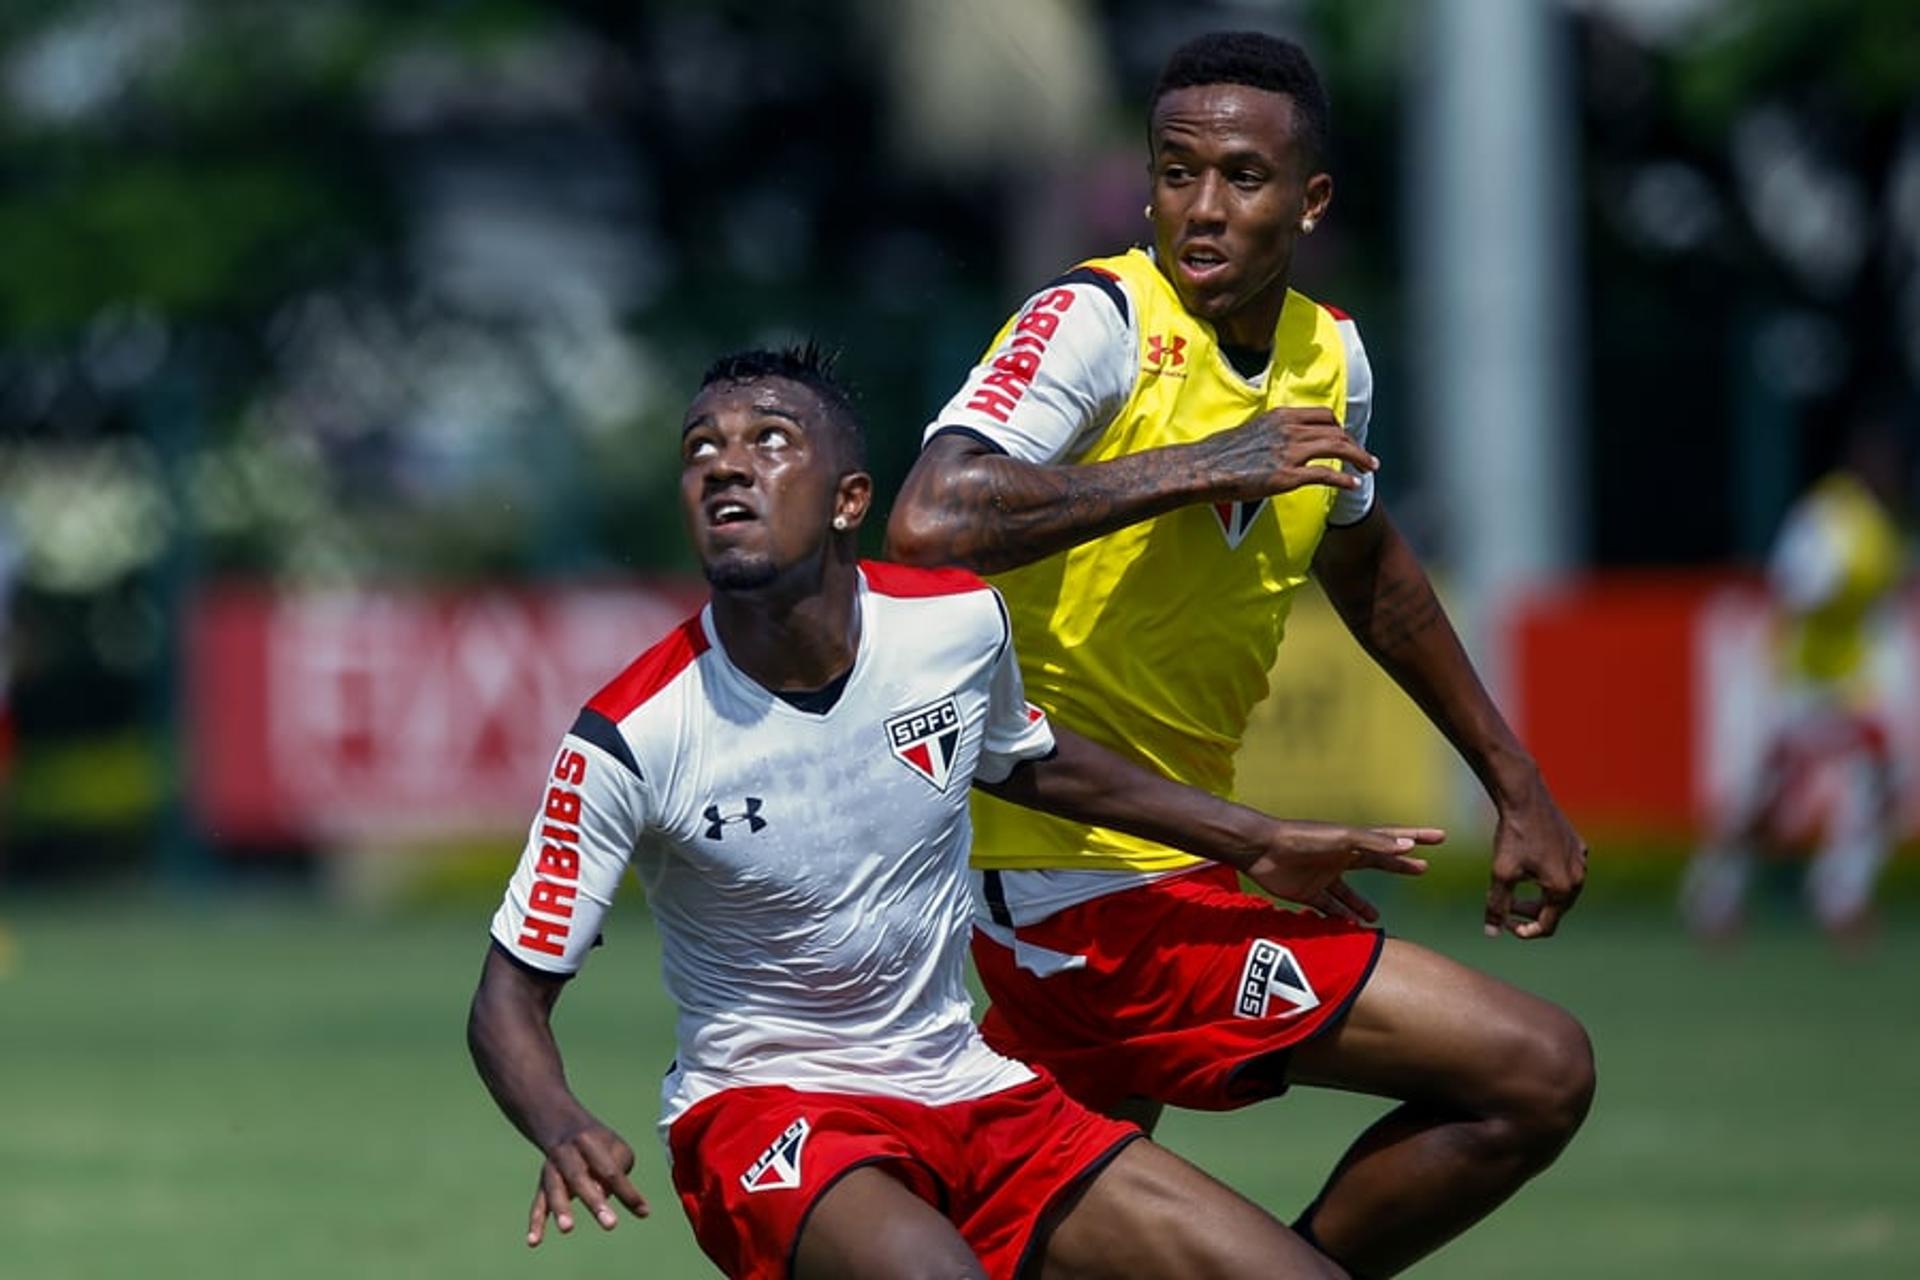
<point x="1156" y="640"/>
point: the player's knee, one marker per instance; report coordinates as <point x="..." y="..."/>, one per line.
<point x="1551" y="1082"/>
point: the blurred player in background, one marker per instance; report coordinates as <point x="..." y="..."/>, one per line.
<point x="788" y="773"/>
<point x="1151" y="457"/>
<point x="1826" y="778"/>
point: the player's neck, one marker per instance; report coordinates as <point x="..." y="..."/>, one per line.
<point x="801" y="631"/>
<point x="1251" y="327"/>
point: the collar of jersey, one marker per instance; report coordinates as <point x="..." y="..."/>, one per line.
<point x="776" y="704"/>
<point x="1257" y="383"/>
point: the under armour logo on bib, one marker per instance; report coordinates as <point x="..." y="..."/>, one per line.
<point x="717" y="822"/>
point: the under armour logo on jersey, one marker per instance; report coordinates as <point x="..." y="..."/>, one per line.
<point x="778" y="1167"/>
<point x="1236" y="518"/>
<point x="927" y="739"/>
<point x="1164" y="353"/>
<point x="717" y="822"/>
<point x="1271" y="973"/>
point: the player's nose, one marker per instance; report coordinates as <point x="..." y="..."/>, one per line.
<point x="727" y="465"/>
<point x="1207" y="208"/>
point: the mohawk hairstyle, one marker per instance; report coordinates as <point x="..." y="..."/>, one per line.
<point x="1259" y="61"/>
<point x="810" y="365"/>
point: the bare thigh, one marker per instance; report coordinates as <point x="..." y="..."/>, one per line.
<point x="1428" y="1029"/>
<point x="1149" y="1215"/>
<point x="869" y="1226"/>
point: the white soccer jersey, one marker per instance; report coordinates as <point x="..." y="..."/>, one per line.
<point x="1087" y="375"/>
<point x="808" y="870"/>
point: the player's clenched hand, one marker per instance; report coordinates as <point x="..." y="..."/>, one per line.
<point x="1533" y="843"/>
<point x="1271" y="454"/>
<point x="590" y="1165"/>
<point x="1305" y="862"/>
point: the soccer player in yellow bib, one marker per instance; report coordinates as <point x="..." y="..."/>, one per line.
<point x="1825" y="781"/>
<point x="1149" y="460"/>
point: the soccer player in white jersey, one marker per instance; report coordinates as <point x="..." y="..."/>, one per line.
<point x="788" y="772"/>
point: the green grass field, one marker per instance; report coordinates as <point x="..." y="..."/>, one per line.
<point x="281" y="1092"/>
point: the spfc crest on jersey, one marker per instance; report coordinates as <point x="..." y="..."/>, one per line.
<point x="1236" y="518"/>
<point x="778" y="1167"/>
<point x="1272" y="974"/>
<point x="927" y="739"/>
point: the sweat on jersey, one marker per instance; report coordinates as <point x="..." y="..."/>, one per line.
<point x="807" y="869"/>
<point x="1157" y="638"/>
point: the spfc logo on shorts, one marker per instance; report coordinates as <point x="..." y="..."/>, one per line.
<point x="1272" y="974"/>
<point x="926" y="740"/>
<point x="1236" y="518"/>
<point x="779" y="1165"/>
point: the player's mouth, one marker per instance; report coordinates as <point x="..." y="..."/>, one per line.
<point x="724" y="511"/>
<point x="1201" y="265"/>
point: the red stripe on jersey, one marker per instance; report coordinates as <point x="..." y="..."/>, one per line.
<point x="1102" y="271"/>
<point x="1335" y="312"/>
<point x="905" y="580"/>
<point x="651" y="671"/>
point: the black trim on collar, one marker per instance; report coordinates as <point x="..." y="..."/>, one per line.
<point x="1248" y="362"/>
<point x="816" y="702"/>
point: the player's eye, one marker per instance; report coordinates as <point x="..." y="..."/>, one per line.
<point x="1174" y="174"/>
<point x="775" y="438"/>
<point x="698" y="448"/>
<point x="1249" y="179"/>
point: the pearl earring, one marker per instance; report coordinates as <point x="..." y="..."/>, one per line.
<point x="1149" y="212"/>
<point x="840" y="523"/>
<point x="1306" y="224"/>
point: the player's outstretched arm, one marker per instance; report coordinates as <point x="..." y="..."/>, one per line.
<point x="1379" y="589"/>
<point x="510" y="1035"/>
<point x="966" y="503"/>
<point x="1303" y="862"/>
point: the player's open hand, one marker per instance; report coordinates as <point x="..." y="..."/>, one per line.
<point x="1274" y="453"/>
<point x="1534" y="843"/>
<point x="590" y="1165"/>
<point x="1306" y="862"/>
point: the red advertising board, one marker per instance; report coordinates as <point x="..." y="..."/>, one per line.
<point x="390" y="714"/>
<point x="1649" y="699"/>
<point x="393" y="713"/>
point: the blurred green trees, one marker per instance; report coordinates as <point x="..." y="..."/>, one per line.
<point x="330" y="291"/>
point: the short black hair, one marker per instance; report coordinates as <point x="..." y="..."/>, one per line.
<point x="1259" y="61"/>
<point x="812" y="366"/>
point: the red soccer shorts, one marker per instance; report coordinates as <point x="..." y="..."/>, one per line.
<point x="750" y="1163"/>
<point x="1191" y="988"/>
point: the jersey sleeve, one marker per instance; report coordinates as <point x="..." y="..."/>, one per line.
<point x="1350" y="506"/>
<point x="1061" y="373"/>
<point x="590" y="816"/>
<point x="1016" y="729"/>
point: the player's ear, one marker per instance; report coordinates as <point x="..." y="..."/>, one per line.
<point x="851" y="499"/>
<point x="1313" y="206"/>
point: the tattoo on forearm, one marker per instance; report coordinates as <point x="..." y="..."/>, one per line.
<point x="1404" y="610"/>
<point x="1000" y="514"/>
